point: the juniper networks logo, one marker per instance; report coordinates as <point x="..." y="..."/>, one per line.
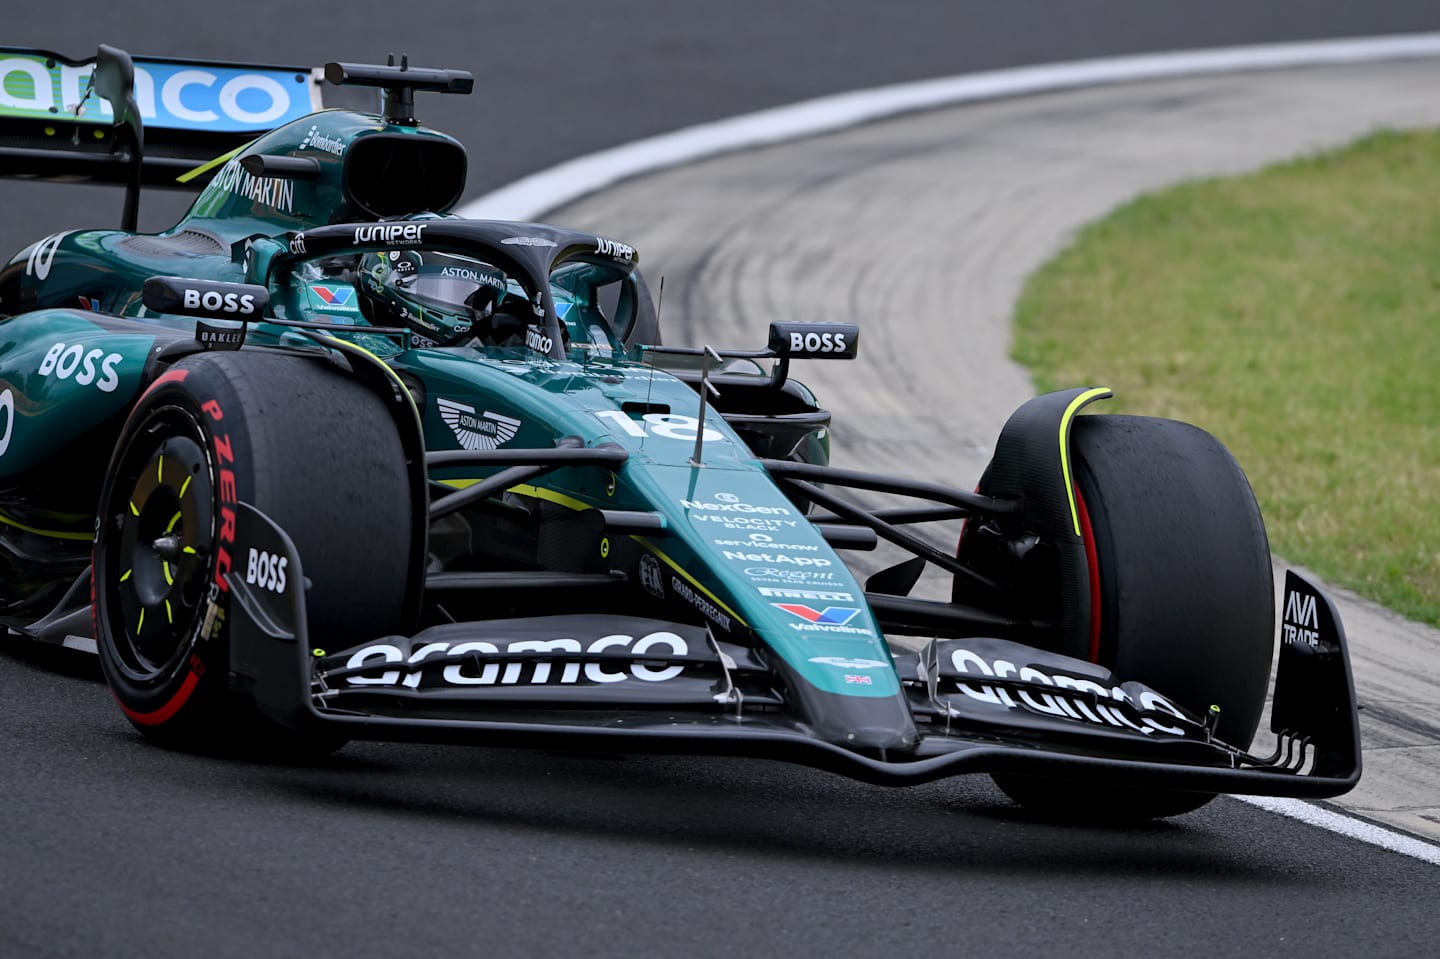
<point x="315" y="140"/>
<point x="482" y="431"/>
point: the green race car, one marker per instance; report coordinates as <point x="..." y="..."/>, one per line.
<point x="325" y="462"/>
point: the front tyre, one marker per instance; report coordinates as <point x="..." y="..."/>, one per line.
<point x="1186" y="597"/>
<point x="313" y="450"/>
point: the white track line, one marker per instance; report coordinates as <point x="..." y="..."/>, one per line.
<point x="532" y="196"/>
<point x="1348" y="826"/>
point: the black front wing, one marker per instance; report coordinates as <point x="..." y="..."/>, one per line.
<point x="540" y="693"/>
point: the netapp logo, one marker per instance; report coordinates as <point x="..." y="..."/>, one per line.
<point x="474" y="670"/>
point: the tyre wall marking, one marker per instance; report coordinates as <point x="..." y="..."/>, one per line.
<point x="157" y="716"/>
<point x="1070" y="411"/>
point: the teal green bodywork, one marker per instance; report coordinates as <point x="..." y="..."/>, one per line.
<point x="725" y="519"/>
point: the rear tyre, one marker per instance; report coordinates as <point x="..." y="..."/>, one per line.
<point x="1186" y="595"/>
<point x="313" y="450"/>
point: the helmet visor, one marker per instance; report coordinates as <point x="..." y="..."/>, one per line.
<point x="455" y="287"/>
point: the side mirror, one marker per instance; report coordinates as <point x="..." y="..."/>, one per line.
<point x="814" y="341"/>
<point x="206" y="298"/>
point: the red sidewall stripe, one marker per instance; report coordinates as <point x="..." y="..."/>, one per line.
<point x="164" y="713"/>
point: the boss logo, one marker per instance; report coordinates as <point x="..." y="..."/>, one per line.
<point x="217" y="302"/>
<point x="86" y="366"/>
<point x="817" y="343"/>
<point x="266" y="570"/>
<point x="837" y="341"/>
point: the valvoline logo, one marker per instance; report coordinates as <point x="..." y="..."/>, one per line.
<point x="335" y="297"/>
<point x="829" y="616"/>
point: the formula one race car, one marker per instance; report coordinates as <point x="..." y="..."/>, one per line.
<point x="323" y="462"/>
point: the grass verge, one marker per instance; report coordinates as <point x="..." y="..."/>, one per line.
<point x="1294" y="313"/>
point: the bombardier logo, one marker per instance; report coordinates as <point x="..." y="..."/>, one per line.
<point x="315" y="140"/>
<point x="487" y="431"/>
<point x="480" y="663"/>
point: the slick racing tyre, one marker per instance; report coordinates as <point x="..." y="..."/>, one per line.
<point x="316" y="452"/>
<point x="1186" y="598"/>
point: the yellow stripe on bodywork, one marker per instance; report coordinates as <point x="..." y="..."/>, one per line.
<point x="52" y="533"/>
<point x="1070" y="411"/>
<point x="539" y="492"/>
<point x="209" y="165"/>
<point x="690" y="579"/>
<point x="524" y="489"/>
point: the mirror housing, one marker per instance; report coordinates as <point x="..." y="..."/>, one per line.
<point x="814" y="341"/>
<point x="206" y="298"/>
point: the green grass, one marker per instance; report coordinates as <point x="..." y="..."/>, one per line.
<point x="1294" y="313"/>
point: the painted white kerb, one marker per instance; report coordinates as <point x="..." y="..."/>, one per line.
<point x="530" y="197"/>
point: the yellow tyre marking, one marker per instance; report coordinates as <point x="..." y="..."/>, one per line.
<point x="126" y="575"/>
<point x="133" y="510"/>
<point x="173" y="520"/>
<point x="141" y="625"/>
<point x="185" y="485"/>
<point x="160" y="470"/>
<point x="169" y="580"/>
<point x="1070" y="412"/>
<point x="169" y="617"/>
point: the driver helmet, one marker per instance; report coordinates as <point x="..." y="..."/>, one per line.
<point x="442" y="299"/>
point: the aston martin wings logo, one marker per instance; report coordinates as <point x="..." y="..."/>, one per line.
<point x="476" y="431"/>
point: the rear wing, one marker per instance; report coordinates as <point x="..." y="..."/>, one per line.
<point x="116" y="119"/>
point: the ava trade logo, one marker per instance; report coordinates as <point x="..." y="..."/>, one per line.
<point x="335" y="297"/>
<point x="830" y="616"/>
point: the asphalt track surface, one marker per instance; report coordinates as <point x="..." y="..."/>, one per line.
<point x="114" y="848"/>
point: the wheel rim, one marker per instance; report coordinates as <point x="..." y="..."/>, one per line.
<point x="162" y="520"/>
